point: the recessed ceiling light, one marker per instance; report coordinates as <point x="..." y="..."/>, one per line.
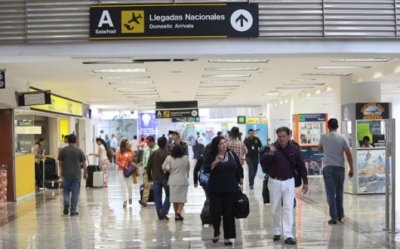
<point x="329" y="88"/>
<point x="341" y="67"/>
<point x="308" y="94"/>
<point x="141" y="82"/>
<point x="226" y="75"/>
<point x="124" y="77"/>
<point x="362" y="60"/>
<point x="271" y="94"/>
<point x="238" y="61"/>
<point x="327" y="74"/>
<point x="222" y="82"/>
<point x="120" y="70"/>
<point x="231" y="68"/>
<point x="318" y="91"/>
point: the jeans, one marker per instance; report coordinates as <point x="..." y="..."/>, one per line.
<point x="252" y="164"/>
<point x="71" y="186"/>
<point x="334" y="180"/>
<point x="161" y="208"/>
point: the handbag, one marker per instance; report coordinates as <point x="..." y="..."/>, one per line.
<point x="203" y="178"/>
<point x="265" y="191"/>
<point x="241" y="206"/>
<point x="128" y="171"/>
<point x="296" y="172"/>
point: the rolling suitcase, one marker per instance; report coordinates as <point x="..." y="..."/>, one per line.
<point x="91" y="169"/>
<point x="52" y="184"/>
<point x="98" y="179"/>
<point x="151" y="194"/>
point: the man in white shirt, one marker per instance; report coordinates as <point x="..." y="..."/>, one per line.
<point x="134" y="144"/>
<point x="114" y="142"/>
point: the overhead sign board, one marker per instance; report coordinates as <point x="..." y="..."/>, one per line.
<point x="166" y="21"/>
<point x="372" y="111"/>
<point x="178" y="113"/>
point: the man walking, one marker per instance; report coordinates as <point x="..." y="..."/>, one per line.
<point x="176" y="139"/>
<point x="151" y="146"/>
<point x="71" y="158"/>
<point x="279" y="163"/>
<point x="253" y="144"/>
<point x="159" y="178"/>
<point x="334" y="147"/>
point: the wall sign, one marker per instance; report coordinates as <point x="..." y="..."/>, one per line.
<point x="372" y="111"/>
<point x="166" y="21"/>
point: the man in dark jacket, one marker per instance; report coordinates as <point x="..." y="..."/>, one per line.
<point x="281" y="185"/>
<point x="159" y="178"/>
<point x="253" y="144"/>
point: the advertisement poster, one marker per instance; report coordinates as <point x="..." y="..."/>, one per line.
<point x="147" y="124"/>
<point x="371" y="171"/>
<point x="313" y="161"/>
<point x="3" y="184"/>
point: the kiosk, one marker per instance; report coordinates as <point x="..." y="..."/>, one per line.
<point x="364" y="125"/>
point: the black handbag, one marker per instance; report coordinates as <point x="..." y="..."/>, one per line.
<point x="265" y="191"/>
<point x="241" y="206"/>
<point x="296" y="172"/>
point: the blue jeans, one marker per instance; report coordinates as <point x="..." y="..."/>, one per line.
<point x="71" y="186"/>
<point x="161" y="208"/>
<point x="334" y="181"/>
<point x="252" y="164"/>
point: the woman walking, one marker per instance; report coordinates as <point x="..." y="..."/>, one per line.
<point x="123" y="159"/>
<point x="105" y="156"/>
<point x="226" y="173"/>
<point x="178" y="166"/>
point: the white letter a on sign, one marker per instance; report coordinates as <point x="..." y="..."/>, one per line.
<point x="105" y="19"/>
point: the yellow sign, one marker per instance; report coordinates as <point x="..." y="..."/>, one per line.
<point x="60" y="105"/>
<point x="132" y="22"/>
<point x="256" y="120"/>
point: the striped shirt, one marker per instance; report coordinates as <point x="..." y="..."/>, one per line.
<point x="238" y="147"/>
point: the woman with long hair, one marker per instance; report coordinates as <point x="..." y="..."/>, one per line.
<point x="226" y="173"/>
<point x="123" y="159"/>
<point x="105" y="156"/>
<point x="178" y="166"/>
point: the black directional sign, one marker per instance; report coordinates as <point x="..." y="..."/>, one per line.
<point x="178" y="113"/>
<point x="155" y="21"/>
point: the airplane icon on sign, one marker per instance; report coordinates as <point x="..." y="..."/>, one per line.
<point x="135" y="18"/>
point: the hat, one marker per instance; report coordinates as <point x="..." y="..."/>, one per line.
<point x="234" y="131"/>
<point x="170" y="132"/>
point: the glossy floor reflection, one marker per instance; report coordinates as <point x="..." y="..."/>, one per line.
<point x="103" y="222"/>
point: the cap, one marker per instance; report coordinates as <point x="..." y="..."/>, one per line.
<point x="170" y="132"/>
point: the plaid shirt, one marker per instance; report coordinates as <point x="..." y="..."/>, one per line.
<point x="238" y="147"/>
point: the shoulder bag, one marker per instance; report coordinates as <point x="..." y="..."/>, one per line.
<point x="128" y="171"/>
<point x="296" y="172"/>
<point x="241" y="206"/>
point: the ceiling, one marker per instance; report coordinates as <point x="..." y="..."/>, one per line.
<point x="245" y="81"/>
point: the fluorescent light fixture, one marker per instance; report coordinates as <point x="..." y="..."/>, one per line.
<point x="304" y="84"/>
<point x="120" y="70"/>
<point x="271" y="94"/>
<point x="124" y="77"/>
<point x="216" y="93"/>
<point x="293" y="87"/>
<point x="238" y="60"/>
<point x="132" y="89"/>
<point x="303" y="80"/>
<point x="226" y="75"/>
<point x="327" y="74"/>
<point x="142" y="82"/>
<point x="231" y="68"/>
<point x="106" y="62"/>
<point x="226" y="87"/>
<point x="222" y="82"/>
<point x="341" y="67"/>
<point x="362" y="60"/>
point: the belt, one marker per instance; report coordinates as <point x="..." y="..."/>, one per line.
<point x="281" y="178"/>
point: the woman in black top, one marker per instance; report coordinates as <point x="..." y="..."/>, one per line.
<point x="225" y="174"/>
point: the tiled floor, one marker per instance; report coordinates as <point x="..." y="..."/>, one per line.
<point x="103" y="223"/>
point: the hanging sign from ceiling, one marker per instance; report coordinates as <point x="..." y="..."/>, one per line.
<point x="169" y="21"/>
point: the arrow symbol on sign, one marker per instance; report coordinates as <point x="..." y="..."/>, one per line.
<point x="241" y="19"/>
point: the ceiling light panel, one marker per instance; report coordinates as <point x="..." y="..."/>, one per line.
<point x="231" y="68"/>
<point x="142" y="82"/>
<point x="327" y="74"/>
<point x="341" y="67"/>
<point x="222" y="82"/>
<point x="121" y="70"/>
<point x="226" y="75"/>
<point x="124" y="77"/>
<point x="238" y="61"/>
<point x="362" y="60"/>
